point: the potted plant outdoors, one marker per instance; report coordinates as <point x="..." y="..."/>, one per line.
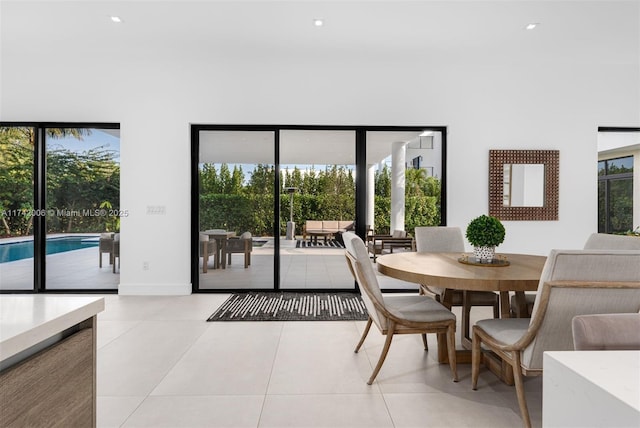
<point x="485" y="233"/>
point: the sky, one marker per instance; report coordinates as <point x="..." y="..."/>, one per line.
<point x="97" y="138"/>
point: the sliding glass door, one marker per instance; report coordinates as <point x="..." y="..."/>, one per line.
<point x="271" y="203"/>
<point x="317" y="204"/>
<point x="60" y="201"/>
<point x="236" y="178"/>
<point x="83" y="208"/>
<point x="17" y="146"/>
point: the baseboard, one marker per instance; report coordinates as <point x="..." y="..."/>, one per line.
<point x="154" y="289"/>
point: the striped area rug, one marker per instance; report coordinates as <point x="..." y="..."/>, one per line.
<point x="291" y="306"/>
<point x="331" y="243"/>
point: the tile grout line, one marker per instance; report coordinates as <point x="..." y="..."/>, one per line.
<point x="266" y="392"/>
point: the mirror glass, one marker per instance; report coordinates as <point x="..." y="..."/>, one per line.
<point x="523" y="185"/>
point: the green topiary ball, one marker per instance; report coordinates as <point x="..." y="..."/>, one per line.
<point x="485" y="231"/>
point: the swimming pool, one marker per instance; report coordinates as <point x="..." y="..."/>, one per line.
<point x="12" y="251"/>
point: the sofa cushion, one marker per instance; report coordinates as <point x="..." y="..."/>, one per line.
<point x="313" y="225"/>
<point x="345" y="225"/>
<point x="330" y="226"/>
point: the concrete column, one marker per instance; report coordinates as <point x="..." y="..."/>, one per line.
<point x="371" y="181"/>
<point x="398" y="165"/>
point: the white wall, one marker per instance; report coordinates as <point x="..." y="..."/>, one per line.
<point x="156" y="95"/>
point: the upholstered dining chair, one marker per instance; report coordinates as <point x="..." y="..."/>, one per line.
<point x="596" y="241"/>
<point x="573" y="282"/>
<point x="243" y="245"/>
<point x="414" y="314"/>
<point x="443" y="239"/>
<point x="603" y="332"/>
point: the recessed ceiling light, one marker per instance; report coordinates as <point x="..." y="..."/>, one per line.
<point x="318" y="22"/>
<point x="116" y="19"/>
<point x="532" y="26"/>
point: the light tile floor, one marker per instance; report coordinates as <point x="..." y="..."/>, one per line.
<point x="161" y="365"/>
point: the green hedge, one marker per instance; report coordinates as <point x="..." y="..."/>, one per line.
<point x="254" y="213"/>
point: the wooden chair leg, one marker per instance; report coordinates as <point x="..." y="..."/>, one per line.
<point x="451" y="345"/>
<point x="246" y="260"/>
<point x="364" y="335"/>
<point x="496" y="309"/>
<point x="476" y="356"/>
<point x="385" y="350"/>
<point x="424" y="342"/>
<point x="466" y="314"/>
<point x="517" y="377"/>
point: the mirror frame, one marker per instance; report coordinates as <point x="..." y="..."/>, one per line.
<point x="551" y="161"/>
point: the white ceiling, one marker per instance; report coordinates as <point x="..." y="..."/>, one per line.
<point x="406" y="33"/>
<point x="481" y="31"/>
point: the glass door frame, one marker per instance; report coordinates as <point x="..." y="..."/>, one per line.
<point x="40" y="202"/>
<point x="360" y="184"/>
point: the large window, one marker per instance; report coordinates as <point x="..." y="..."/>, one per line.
<point x="60" y="201"/>
<point x="615" y="195"/>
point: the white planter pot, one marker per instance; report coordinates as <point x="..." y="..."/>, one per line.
<point x="484" y="254"/>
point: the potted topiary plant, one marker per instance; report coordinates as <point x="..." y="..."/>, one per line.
<point x="485" y="233"/>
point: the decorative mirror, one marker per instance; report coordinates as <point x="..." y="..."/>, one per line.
<point x="523" y="184"/>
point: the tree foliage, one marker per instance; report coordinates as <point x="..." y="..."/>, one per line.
<point x="75" y="182"/>
<point x="320" y="194"/>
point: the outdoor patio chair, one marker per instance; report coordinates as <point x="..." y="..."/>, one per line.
<point x="573" y="282"/>
<point x="380" y="244"/>
<point x="413" y="314"/>
<point x="105" y="245"/>
<point x="241" y="244"/>
<point x="116" y="251"/>
<point x="208" y="247"/>
<point x="440" y="239"/>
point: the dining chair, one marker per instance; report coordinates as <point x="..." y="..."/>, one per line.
<point x="413" y="314"/>
<point x="604" y="332"/>
<point x="596" y="241"/>
<point x="573" y="282"/>
<point x="447" y="239"/>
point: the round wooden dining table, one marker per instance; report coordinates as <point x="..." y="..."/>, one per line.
<point x="444" y="270"/>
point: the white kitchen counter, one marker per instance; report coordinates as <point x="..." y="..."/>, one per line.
<point x="29" y="319"/>
<point x="591" y="389"/>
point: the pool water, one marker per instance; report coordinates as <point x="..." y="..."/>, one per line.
<point x="10" y="252"/>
